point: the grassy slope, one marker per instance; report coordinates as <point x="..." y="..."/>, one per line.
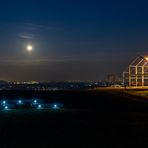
<point x="92" y="119"/>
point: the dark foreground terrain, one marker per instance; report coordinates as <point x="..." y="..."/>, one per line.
<point x="89" y="119"/>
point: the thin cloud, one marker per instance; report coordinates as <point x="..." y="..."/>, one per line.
<point x="49" y="60"/>
<point x="32" y="26"/>
<point x="26" y="36"/>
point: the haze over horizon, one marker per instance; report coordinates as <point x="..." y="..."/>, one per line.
<point x="72" y="40"/>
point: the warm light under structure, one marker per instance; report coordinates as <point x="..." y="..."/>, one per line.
<point x="146" y="58"/>
<point x="137" y="72"/>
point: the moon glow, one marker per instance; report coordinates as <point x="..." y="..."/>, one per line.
<point x="29" y="48"/>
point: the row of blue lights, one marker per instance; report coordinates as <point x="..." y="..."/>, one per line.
<point x="5" y="105"/>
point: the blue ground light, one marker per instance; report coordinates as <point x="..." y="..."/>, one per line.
<point x="6" y="107"/>
<point x="4" y="102"/>
<point x="39" y="106"/>
<point x="20" y="101"/>
<point x="28" y="104"/>
<point x="35" y="101"/>
<point x="56" y="106"/>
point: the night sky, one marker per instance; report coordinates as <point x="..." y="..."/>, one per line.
<point x="71" y="39"/>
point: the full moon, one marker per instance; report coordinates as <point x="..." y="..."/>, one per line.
<point x="29" y="48"/>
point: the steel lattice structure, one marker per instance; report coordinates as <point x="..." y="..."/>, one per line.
<point x="137" y="72"/>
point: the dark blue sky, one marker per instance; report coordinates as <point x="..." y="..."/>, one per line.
<point x="72" y="40"/>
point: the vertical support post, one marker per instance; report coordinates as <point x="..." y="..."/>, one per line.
<point x="136" y="74"/>
<point x="123" y="80"/>
<point x="129" y="77"/>
<point x="143" y="75"/>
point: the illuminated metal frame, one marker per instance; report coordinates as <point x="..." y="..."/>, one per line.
<point x="132" y="75"/>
